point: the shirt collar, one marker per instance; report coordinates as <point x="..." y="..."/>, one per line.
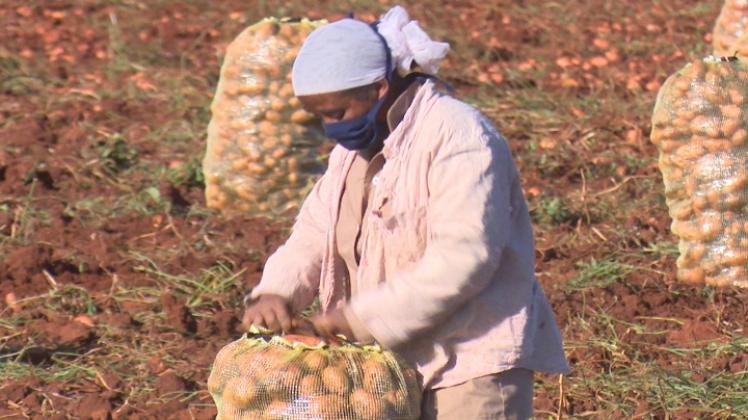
<point x="397" y="111"/>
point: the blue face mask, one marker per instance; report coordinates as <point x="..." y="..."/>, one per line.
<point x="356" y="133"/>
<point x="359" y="133"/>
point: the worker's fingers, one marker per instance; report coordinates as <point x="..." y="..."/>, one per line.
<point x="259" y="321"/>
<point x="283" y="317"/>
<point x="302" y="326"/>
<point x="271" y="320"/>
<point x="248" y="318"/>
<point x="322" y="326"/>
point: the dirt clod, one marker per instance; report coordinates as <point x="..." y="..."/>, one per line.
<point x="227" y="323"/>
<point x="117" y="319"/>
<point x="156" y="365"/>
<point x="170" y="382"/>
<point x="694" y="332"/>
<point x="94" y="407"/>
<point x="178" y="315"/>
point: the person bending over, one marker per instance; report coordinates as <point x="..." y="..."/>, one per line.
<point x="417" y="236"/>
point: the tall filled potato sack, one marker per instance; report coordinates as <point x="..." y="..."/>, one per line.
<point x="740" y="47"/>
<point x="262" y="149"/>
<point x="731" y="25"/>
<point x="299" y="378"/>
<point x="700" y="127"/>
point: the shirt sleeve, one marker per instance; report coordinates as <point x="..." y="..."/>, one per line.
<point x="468" y="217"/>
<point x="293" y="270"/>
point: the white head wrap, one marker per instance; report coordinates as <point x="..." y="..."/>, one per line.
<point x="349" y="53"/>
<point x="408" y="42"/>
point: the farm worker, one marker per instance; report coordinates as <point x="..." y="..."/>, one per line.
<point x="417" y="236"/>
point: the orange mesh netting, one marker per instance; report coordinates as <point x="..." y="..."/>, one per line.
<point x="732" y="24"/>
<point x="262" y="149"/>
<point x="700" y="129"/>
<point x="294" y="378"/>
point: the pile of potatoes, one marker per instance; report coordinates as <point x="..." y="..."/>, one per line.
<point x="700" y="128"/>
<point x="278" y="378"/>
<point x="263" y="149"/>
<point x="731" y="26"/>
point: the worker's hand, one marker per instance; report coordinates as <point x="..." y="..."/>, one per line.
<point x="268" y="311"/>
<point x="332" y="324"/>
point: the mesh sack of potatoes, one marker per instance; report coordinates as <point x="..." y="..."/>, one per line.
<point x="700" y="128"/>
<point x="731" y="25"/>
<point x="295" y="377"/>
<point x="263" y="149"/>
<point x="740" y="47"/>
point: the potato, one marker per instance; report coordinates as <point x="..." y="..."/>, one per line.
<point x="315" y="361"/>
<point x="278" y="410"/>
<point x="267" y="28"/>
<point x="734" y="274"/>
<point x="691" y="151"/>
<point x="697" y="251"/>
<point x="733" y="256"/>
<point x="730" y="112"/>
<point x="215" y="383"/>
<point x="310" y="385"/>
<point x="250" y="89"/>
<point x="286" y="92"/>
<point x="293" y="179"/>
<point x="249" y="415"/>
<point x="231" y="71"/>
<point x="288" y="31"/>
<point x="327" y="407"/>
<point x="397" y="400"/>
<point x="376" y="376"/>
<point x="668" y="146"/>
<point x="681" y="211"/>
<point x="336" y="380"/>
<point x="710" y="226"/>
<point x="736" y="183"/>
<point x="738" y="137"/>
<point x="239" y="392"/>
<point x="257" y="168"/>
<point x="290" y="376"/>
<point x="695" y="275"/>
<point x="301" y="117"/>
<point x="273" y="116"/>
<point x="411" y="380"/>
<point x="366" y="405"/>
<point x="700" y="203"/>
<point x="275" y="356"/>
<point x="733" y="202"/>
<point x="248" y="364"/>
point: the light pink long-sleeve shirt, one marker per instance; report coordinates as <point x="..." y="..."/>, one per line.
<point x="446" y="274"/>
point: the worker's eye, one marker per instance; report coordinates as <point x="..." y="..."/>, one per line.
<point x="335" y="114"/>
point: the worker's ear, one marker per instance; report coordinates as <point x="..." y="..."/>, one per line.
<point x="382" y="88"/>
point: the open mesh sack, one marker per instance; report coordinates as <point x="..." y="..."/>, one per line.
<point x="700" y="129"/>
<point x="732" y="24"/>
<point x="263" y="149"/>
<point x="298" y="377"/>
